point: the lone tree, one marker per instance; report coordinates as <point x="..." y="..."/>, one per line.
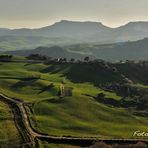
<point x="86" y="59"/>
<point x="72" y="60"/>
<point x="100" y="96"/>
<point x="38" y="57"/>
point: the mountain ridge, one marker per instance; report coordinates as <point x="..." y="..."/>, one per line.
<point x="69" y="21"/>
<point x="81" y="32"/>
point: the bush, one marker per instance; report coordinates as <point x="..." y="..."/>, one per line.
<point x="51" y="85"/>
<point x="100" y="145"/>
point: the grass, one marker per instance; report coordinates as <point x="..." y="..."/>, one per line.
<point x="82" y="116"/>
<point x="12" y="84"/>
<point x="8" y="133"/>
<point x="11" y="75"/>
<point x="78" y="115"/>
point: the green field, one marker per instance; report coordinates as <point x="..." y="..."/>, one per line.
<point x="9" y="136"/>
<point x="77" y="115"/>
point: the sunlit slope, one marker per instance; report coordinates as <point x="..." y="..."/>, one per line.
<point x="82" y="116"/>
<point x="77" y="115"/>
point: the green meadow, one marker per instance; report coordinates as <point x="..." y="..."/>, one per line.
<point x="77" y="115"/>
<point x="9" y="136"/>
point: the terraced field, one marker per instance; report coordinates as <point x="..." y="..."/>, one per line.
<point x="79" y="114"/>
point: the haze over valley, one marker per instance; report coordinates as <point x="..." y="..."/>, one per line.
<point x="81" y="38"/>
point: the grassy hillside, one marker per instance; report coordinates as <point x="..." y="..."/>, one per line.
<point x="9" y="136"/>
<point x="13" y="78"/>
<point x="76" y="115"/>
<point x="13" y="81"/>
<point x="85" y="117"/>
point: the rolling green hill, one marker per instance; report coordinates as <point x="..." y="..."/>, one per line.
<point x="79" y="114"/>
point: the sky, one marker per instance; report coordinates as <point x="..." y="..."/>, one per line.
<point x="39" y="13"/>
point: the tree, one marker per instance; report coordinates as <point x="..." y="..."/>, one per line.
<point x="64" y="60"/>
<point x="38" y="57"/>
<point x="72" y="60"/>
<point x="59" y="93"/>
<point x="100" y="95"/>
<point x="86" y="59"/>
<point x="51" y="85"/>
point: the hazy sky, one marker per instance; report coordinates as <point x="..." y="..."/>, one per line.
<point x="37" y="13"/>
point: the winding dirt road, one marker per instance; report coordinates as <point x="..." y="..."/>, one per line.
<point x="30" y="136"/>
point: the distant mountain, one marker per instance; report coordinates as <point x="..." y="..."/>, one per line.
<point x="97" y="32"/>
<point x="70" y="32"/>
<point x="135" y="50"/>
<point x="132" y="31"/>
<point x="84" y="31"/>
<point x="4" y="31"/>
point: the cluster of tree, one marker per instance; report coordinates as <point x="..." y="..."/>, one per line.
<point x="51" y="85"/>
<point x="138" y="104"/>
<point x="59" y="60"/>
<point x="101" y="97"/>
<point x="124" y="90"/>
<point x="38" y="57"/>
<point x="6" y="58"/>
<point x="132" y="97"/>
